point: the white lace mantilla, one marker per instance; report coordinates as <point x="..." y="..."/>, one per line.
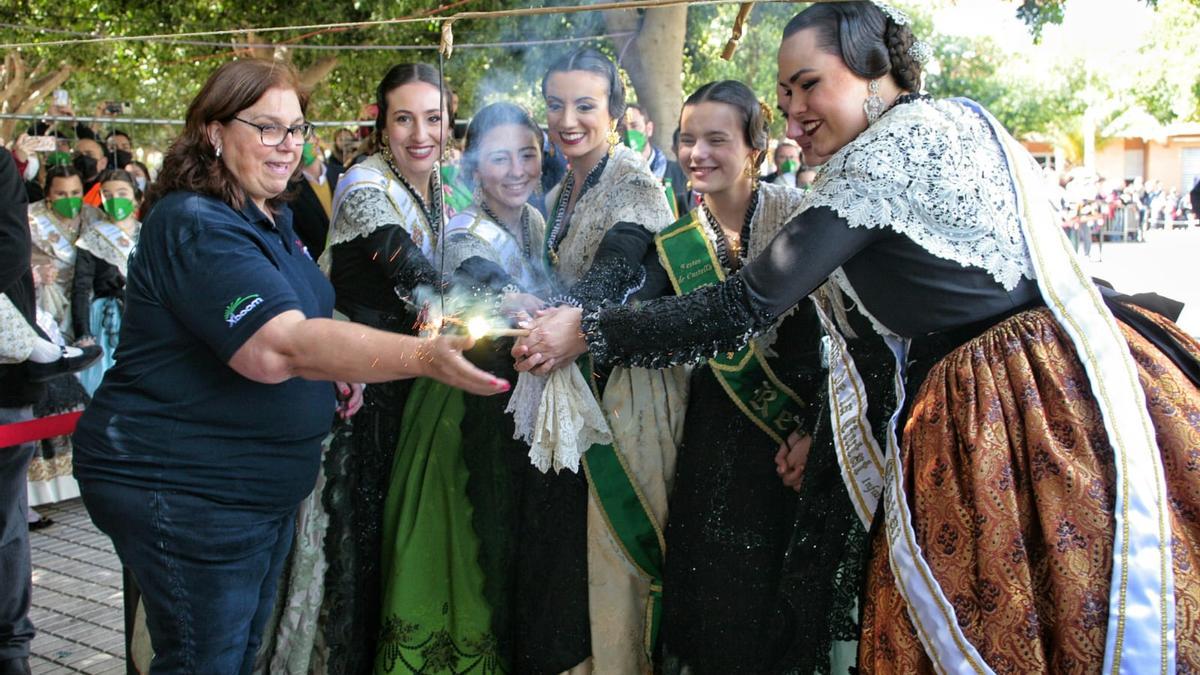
<point x="367" y="198"/>
<point x="626" y="192"/>
<point x="110" y="243"/>
<point x="932" y="171"/>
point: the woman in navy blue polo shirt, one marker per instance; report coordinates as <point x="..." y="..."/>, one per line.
<point x="205" y="435"/>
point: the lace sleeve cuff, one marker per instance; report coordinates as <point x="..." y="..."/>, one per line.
<point x="611" y="280"/>
<point x="677" y="330"/>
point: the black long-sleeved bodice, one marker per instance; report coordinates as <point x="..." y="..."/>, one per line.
<point x="905" y="287"/>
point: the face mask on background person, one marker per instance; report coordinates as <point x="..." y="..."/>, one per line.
<point x="789" y="166"/>
<point x="118" y="208"/>
<point x="308" y="154"/>
<point x="140" y="181"/>
<point x="67" y="207"/>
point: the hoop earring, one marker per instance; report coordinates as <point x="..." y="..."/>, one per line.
<point x="613" y="139"/>
<point x="873" y="106"/>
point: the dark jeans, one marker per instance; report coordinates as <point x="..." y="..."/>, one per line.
<point x="16" y="574"/>
<point x="207" y="571"/>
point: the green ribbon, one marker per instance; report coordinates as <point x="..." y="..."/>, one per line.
<point x="456" y="195"/>
<point x="691" y="262"/>
<point x="669" y="188"/>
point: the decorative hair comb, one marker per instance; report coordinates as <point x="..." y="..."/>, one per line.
<point x="920" y="51"/>
<point x="898" y="17"/>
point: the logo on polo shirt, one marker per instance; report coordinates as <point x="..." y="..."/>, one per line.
<point x="241" y="307"/>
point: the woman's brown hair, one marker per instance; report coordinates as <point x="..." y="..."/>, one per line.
<point x="191" y="163"/>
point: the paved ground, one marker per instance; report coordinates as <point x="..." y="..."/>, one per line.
<point x="77" y="579"/>
<point x="76" y="596"/>
<point x="1168" y="262"/>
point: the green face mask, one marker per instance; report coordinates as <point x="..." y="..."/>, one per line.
<point x="635" y="140"/>
<point x="308" y="155"/>
<point x="119" y="208"/>
<point x="67" y="207"/>
<point x="58" y="157"/>
<point x="789" y="166"/>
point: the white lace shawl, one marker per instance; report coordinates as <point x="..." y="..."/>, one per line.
<point x="465" y="237"/>
<point x="932" y="171"/>
<point x="360" y="210"/>
<point x="626" y="192"/>
<point x="557" y="415"/>
<point x="108" y="242"/>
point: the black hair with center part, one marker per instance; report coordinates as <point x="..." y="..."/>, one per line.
<point x="60" y="171"/>
<point x="738" y="96"/>
<point x="398" y="76"/>
<point x="589" y="59"/>
<point x="488" y="118"/>
<point x="864" y="38"/>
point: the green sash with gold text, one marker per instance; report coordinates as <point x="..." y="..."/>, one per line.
<point x="690" y="260"/>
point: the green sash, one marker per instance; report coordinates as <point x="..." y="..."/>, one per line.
<point x="688" y="256"/>
<point x="627" y="515"/>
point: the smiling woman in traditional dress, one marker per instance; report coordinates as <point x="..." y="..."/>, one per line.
<point x="602" y="217"/>
<point x="1039" y="489"/>
<point x="450" y="527"/>
<point x="387" y="217"/>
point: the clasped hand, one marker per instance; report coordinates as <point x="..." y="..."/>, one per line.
<point x="554" y="341"/>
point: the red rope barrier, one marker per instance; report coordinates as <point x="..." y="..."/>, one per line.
<point x="37" y="429"/>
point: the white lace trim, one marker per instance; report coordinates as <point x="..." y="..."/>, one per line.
<point x="557" y="417"/>
<point x="109" y="243"/>
<point x="932" y="171"/>
<point x="626" y="192"/>
<point x="383" y="202"/>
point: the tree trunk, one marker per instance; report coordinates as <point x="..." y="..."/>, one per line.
<point x="21" y="90"/>
<point x="654" y="61"/>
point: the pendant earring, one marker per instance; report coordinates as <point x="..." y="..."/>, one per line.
<point x="873" y="106"/>
<point x="614" y="139"/>
<point x="477" y="195"/>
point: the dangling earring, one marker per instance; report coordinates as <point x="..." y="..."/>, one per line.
<point x="613" y="139"/>
<point x="218" y="152"/>
<point x="873" y="106"/>
<point x="477" y="195"/>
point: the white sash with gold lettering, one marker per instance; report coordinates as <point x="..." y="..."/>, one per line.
<point x="858" y="453"/>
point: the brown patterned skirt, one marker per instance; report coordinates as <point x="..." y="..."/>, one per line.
<point x="1011" y="484"/>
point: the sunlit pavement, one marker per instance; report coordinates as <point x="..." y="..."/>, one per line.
<point x="76" y="596"/>
<point x="1167" y="263"/>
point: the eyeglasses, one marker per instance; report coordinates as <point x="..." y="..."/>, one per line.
<point x="274" y="134"/>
